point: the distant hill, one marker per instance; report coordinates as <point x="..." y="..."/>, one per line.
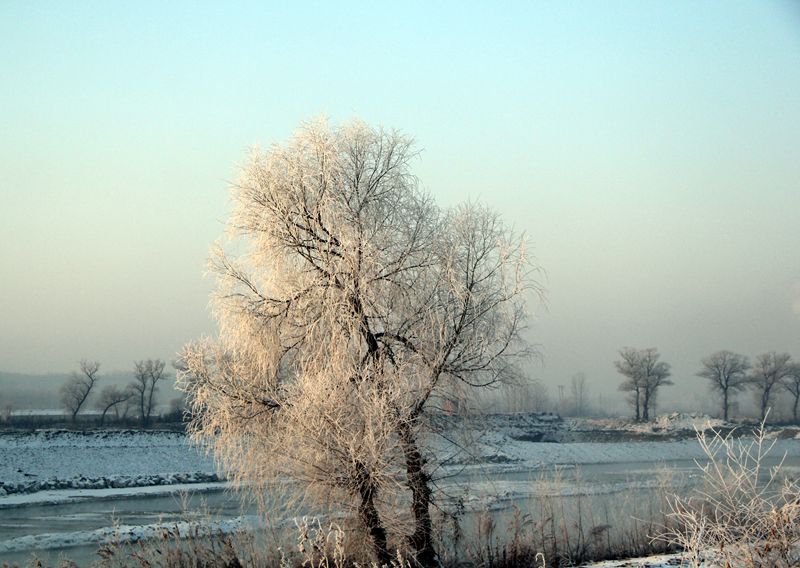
<point x="41" y="392"/>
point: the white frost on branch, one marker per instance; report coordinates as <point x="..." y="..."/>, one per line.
<point x="352" y="307"/>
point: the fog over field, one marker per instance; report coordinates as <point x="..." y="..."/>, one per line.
<point x="652" y="163"/>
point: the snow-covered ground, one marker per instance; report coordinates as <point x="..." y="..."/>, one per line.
<point x="124" y="534"/>
<point x="47" y="412"/>
<point x="48" y="460"/>
<point x="660" y="561"/>
<point x="528" y="441"/>
<point x="664" y="424"/>
<point x="61" y="496"/>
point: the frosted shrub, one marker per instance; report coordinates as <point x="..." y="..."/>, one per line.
<point x="745" y="514"/>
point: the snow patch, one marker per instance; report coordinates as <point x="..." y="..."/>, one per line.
<point x="126" y="534"/>
<point x="46" y="460"/>
<point x="113" y="481"/>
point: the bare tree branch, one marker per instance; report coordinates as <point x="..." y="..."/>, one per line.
<point x="75" y="392"/>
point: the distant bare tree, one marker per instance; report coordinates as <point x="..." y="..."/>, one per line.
<point x="78" y="387"/>
<point x="147" y="374"/>
<point x="110" y="397"/>
<point x="529" y="396"/>
<point x="656" y="375"/>
<point x="769" y="371"/>
<point x="792" y="384"/>
<point x="628" y="366"/>
<point x="126" y="407"/>
<point x="6" y="411"/>
<point x="644" y="375"/>
<point x="539" y="399"/>
<point x="177" y="408"/>
<point x="579" y="393"/>
<point x="727" y="374"/>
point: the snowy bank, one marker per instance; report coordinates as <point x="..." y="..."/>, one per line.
<point x="47" y="460"/>
<point x="126" y="534"/>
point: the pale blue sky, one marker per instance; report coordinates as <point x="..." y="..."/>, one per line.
<point x="649" y="149"/>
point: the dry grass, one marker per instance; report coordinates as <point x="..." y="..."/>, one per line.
<point x="563" y="524"/>
<point x="746" y="514"/>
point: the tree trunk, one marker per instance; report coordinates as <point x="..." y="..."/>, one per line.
<point x="150" y="399"/>
<point x="418" y="482"/>
<point x="725" y="405"/>
<point x="638" y="416"/>
<point x="416" y="478"/>
<point x="794" y="408"/>
<point x="764" y="404"/>
<point x="141" y="408"/>
<point x="369" y="516"/>
<point x="646" y="405"/>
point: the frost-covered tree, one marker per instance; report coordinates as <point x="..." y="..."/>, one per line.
<point x="349" y="306"/>
<point x="769" y="371"/>
<point x="75" y="392"/>
<point x="726" y="373"/>
<point x="644" y="375"/>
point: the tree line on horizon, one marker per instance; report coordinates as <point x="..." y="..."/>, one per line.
<point x="727" y="373"/>
<point x="138" y="396"/>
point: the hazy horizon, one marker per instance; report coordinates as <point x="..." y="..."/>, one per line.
<point x="648" y="150"/>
